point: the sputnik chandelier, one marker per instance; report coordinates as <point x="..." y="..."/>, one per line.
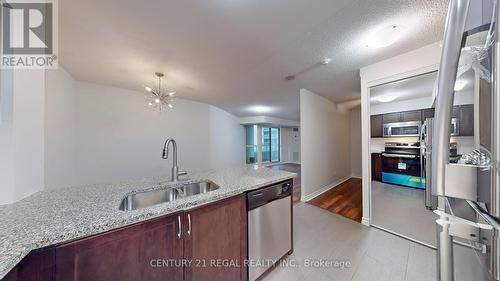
<point x="159" y="99"/>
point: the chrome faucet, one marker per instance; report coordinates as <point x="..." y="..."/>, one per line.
<point x="175" y="168"/>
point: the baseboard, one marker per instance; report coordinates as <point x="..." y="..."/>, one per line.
<point x="322" y="190"/>
<point x="356" y="176"/>
<point x="365" y="221"/>
<point x="291" y="162"/>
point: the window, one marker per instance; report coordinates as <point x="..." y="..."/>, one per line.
<point x="270" y="144"/>
<point x="251" y="144"/>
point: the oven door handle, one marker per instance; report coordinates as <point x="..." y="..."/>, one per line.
<point x="399" y="155"/>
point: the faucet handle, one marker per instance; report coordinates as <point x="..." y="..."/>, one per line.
<point x="182" y="173"/>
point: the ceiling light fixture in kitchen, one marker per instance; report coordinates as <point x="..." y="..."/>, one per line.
<point x="460" y="85"/>
<point x="158" y="99"/>
<point x="384" y="37"/>
<point x="385" y="98"/>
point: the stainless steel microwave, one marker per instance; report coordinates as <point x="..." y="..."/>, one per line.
<point x="402" y="129"/>
<point x="412" y="128"/>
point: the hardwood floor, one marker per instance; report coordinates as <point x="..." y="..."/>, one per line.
<point x="344" y="199"/>
<point x="294" y="168"/>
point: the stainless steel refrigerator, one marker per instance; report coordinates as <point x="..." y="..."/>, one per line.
<point x="430" y="200"/>
<point x="468" y="227"/>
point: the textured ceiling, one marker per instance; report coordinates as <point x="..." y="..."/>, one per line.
<point x="236" y="54"/>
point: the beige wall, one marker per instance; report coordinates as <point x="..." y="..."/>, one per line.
<point x="325" y="148"/>
<point x="355" y="143"/>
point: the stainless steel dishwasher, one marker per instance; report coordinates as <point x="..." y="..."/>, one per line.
<point x="270" y="226"/>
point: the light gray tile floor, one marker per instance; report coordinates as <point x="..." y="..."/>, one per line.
<point x="373" y="254"/>
<point x="402" y="210"/>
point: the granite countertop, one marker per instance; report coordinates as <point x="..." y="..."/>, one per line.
<point x="59" y="215"/>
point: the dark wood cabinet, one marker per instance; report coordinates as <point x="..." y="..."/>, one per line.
<point x="391" y="117"/>
<point x="466" y="120"/>
<point x="427" y="113"/>
<point x="215" y="241"/>
<point x="376" y="166"/>
<point x="414" y="115"/>
<point x="376" y="126"/>
<point x="132" y="253"/>
<point x="404" y="116"/>
<point x="464" y="114"/>
<point x="455" y="113"/>
<point x="36" y="266"/>
<point x="212" y="239"/>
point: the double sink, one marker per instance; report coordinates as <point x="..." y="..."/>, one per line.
<point x="145" y="199"/>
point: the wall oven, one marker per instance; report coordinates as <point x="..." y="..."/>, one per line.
<point x="402" y="129"/>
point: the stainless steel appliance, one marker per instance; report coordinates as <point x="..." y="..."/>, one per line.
<point x="269" y="227"/>
<point x="469" y="191"/>
<point x="426" y="163"/>
<point x="401" y="164"/>
<point x="431" y="201"/>
<point x="455" y="127"/>
<point x="402" y="129"/>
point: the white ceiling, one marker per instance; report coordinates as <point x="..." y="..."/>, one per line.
<point x="236" y="53"/>
<point x="407" y="89"/>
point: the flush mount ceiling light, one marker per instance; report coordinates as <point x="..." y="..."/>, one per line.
<point x="385" y="98"/>
<point x="460" y="85"/>
<point x="384" y="37"/>
<point x="325" y="61"/>
<point x="260" y="108"/>
<point x="158" y="99"/>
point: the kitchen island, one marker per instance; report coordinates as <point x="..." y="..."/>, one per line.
<point x="59" y="216"/>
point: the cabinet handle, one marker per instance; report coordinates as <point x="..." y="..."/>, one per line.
<point x="189" y="224"/>
<point x="180" y="226"/>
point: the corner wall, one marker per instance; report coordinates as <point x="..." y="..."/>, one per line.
<point x="325" y="149"/>
<point x="60" y="132"/>
<point x="116" y="137"/>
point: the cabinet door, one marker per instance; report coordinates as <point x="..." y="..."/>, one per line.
<point x="427" y="113"/>
<point x="456" y="112"/>
<point x="392" y="117"/>
<point x="376" y="126"/>
<point x="467" y="120"/>
<point x="36" y="266"/>
<point x="414" y="115"/>
<point x="376" y="167"/>
<point x="135" y="253"/>
<point x="215" y="241"/>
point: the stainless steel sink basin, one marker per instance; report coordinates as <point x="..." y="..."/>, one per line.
<point x="198" y="188"/>
<point x="145" y="199"/>
<point x="148" y="198"/>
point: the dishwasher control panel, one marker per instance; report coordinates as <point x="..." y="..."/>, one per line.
<point x="262" y="196"/>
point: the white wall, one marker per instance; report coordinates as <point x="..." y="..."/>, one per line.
<point x="227" y="140"/>
<point x="324" y="144"/>
<point x="355" y="141"/>
<point x="60" y="97"/>
<point x="118" y="137"/>
<point x="6" y="145"/>
<point x="22" y="133"/>
<point x="290" y="145"/>
<point x="97" y="134"/>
